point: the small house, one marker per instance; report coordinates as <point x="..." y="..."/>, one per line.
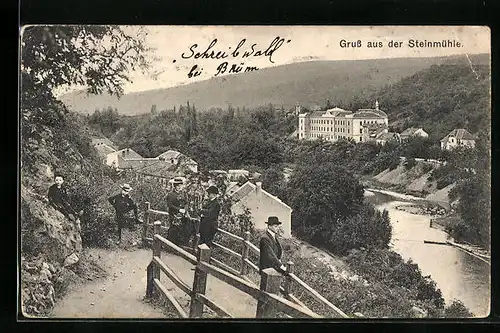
<point x="261" y="204"/>
<point x="413" y="131"/>
<point x="459" y="137"/>
<point x="124" y="154"/>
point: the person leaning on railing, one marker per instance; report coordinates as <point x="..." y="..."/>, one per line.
<point x="270" y="247"/>
<point x="209" y="217"/>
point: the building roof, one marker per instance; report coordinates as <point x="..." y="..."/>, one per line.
<point x="135" y="163"/>
<point x="169" y="154"/>
<point x="174" y="154"/>
<point x="460" y="134"/>
<point x="232" y="188"/>
<point x="159" y="169"/>
<point x="248" y="188"/>
<point x="238" y="171"/>
<point x="410" y="131"/>
<point x="369" y="113"/>
<point x="243" y="191"/>
<point x="105" y="141"/>
<point x="376" y="111"/>
<point x="387" y="136"/>
<point x="127" y="153"/>
<point x="104" y="149"/>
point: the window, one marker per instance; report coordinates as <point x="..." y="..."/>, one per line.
<point x="360" y="139"/>
<point x="360" y="131"/>
<point x="347" y="130"/>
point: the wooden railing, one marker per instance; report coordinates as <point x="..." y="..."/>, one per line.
<point x="267" y="295"/>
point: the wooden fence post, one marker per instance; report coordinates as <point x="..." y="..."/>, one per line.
<point x="196" y="241"/>
<point x="145" y="224"/>
<point x="149" y="280"/>
<point x="244" y="253"/>
<point x="270" y="281"/>
<point x="156" y="248"/>
<point x="288" y="279"/>
<point x="199" y="282"/>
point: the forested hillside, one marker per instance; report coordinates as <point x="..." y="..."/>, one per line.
<point x="439" y="99"/>
<point x="310" y="83"/>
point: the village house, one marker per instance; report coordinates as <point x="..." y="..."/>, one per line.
<point x="113" y="159"/>
<point x="237" y="174"/>
<point x="175" y="157"/>
<point x="261" y="204"/>
<point x="458" y="137"/>
<point x="160" y="171"/>
<point x="413" y="131"/>
<point x="165" y="166"/>
<point x="383" y="138"/>
<point x="103" y="146"/>
<point x="334" y="124"/>
<point x="103" y="142"/>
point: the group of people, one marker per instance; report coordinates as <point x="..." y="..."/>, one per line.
<point x="183" y="225"/>
<point x="179" y="218"/>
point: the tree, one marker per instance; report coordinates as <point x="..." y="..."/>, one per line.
<point x="273" y="181"/>
<point x="53" y="57"/>
<point x="321" y="195"/>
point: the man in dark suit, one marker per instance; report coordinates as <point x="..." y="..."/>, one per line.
<point x="123" y="204"/>
<point x="59" y="199"/>
<point x="270" y="247"/>
<point x="209" y="217"/>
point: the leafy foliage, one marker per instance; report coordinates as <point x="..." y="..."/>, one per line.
<point x="389" y="268"/>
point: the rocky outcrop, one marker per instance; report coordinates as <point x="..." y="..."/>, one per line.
<point x="416" y="181"/>
<point x="50" y="244"/>
<point x="45" y="231"/>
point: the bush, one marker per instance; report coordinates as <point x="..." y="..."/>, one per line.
<point x="457" y="310"/>
<point x="410" y="163"/>
<point x="426" y="168"/>
<point x="389" y="268"/>
<point x="368" y="229"/>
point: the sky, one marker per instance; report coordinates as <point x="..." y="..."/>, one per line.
<point x="174" y="49"/>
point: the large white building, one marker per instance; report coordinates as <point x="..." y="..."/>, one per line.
<point x="334" y="124"/>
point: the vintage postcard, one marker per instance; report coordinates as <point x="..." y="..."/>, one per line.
<point x="255" y="172"/>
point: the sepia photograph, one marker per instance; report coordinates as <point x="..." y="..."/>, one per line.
<point x="194" y="172"/>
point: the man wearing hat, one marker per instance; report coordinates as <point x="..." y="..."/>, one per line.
<point x="123" y="204"/>
<point x="270" y="247"/>
<point x="209" y="217"/>
<point x="174" y="200"/>
<point x="176" y="210"/>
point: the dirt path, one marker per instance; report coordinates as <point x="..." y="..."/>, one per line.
<point x="117" y="296"/>
<point x="120" y="294"/>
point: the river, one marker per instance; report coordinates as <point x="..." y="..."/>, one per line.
<point x="458" y="274"/>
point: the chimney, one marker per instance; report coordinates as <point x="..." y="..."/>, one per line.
<point x="258" y="189"/>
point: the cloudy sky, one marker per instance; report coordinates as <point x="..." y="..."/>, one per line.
<point x="299" y="43"/>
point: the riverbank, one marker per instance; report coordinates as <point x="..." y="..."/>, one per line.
<point x="440" y="218"/>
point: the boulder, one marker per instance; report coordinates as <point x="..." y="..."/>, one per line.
<point x="71" y="260"/>
<point x="418" y="312"/>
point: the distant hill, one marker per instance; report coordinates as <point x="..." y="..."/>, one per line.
<point x="308" y="83"/>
